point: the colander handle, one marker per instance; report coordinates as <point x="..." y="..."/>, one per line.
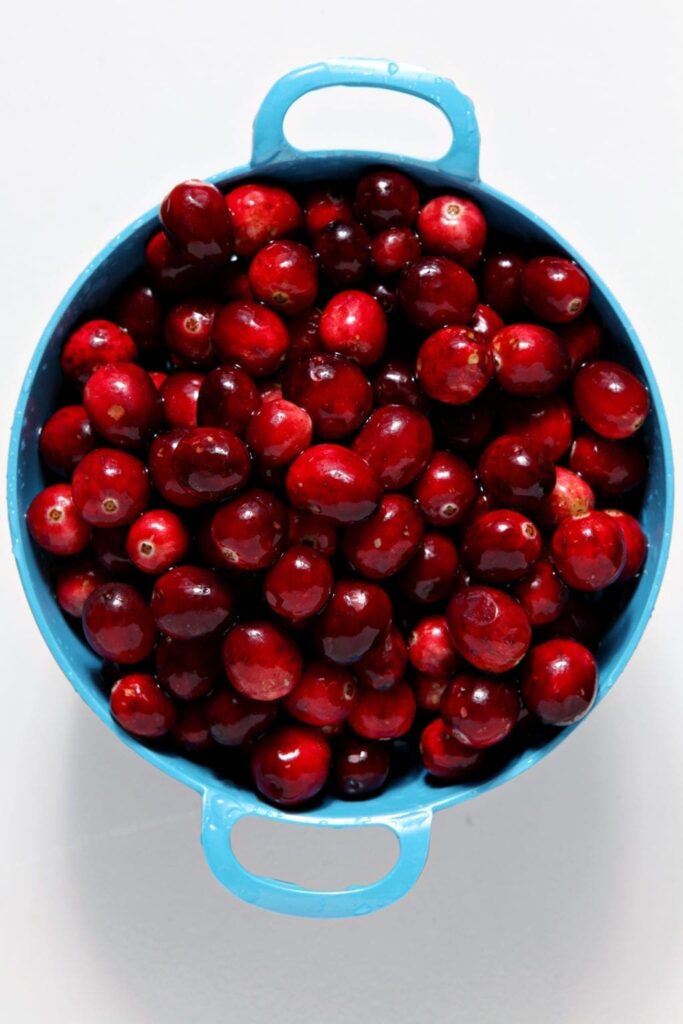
<point x="412" y="830"/>
<point x="271" y="145"/>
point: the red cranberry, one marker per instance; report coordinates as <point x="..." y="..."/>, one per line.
<point x="542" y="594"/>
<point x="571" y="496"/>
<point x="188" y="669"/>
<point x="332" y="389"/>
<point x="589" y="551"/>
<point x="353" y="324"/>
<point x="385" y="663"/>
<point x="545" y="422"/>
<point x="396" y="442"/>
<point x="395" y="384"/>
<point x="444" y="757"/>
<point x="383" y="716"/>
<point x="559" y="681"/>
<point x="109" y="549"/>
<point x="555" y="289"/>
<point x="278" y="432"/>
<point x="187" y="333"/>
<point x="122" y="404"/>
<point x="140" y="312"/>
<point x="195" y="216"/>
<point x="361" y="767"/>
<point x="66" y="438"/>
<point x="355" y="617"/>
<point x="435" y="291"/>
<point x="611" y="400"/>
<point x="383" y="544"/>
<point x="227" y="398"/>
<point x="261" y="213"/>
<point x="141" y="707"/>
<point x="252" y="335"/>
<point x="478" y="711"/>
<point x="582" y="339"/>
<point x="118" y="624"/>
<point x="429" y="690"/>
<point x="180" y="397"/>
<point x="211" y="462"/>
<point x="285" y="276"/>
<point x="502" y="283"/>
<point x="430" y="647"/>
<point x="189" y="602"/>
<point x="76" y="583"/>
<point x="55" y="522"/>
<point x="394" y="249"/>
<point x="385" y="294"/>
<point x="304" y="336"/>
<point x="191" y="729"/>
<point x="334" y="482"/>
<point x="233" y="281"/>
<point x="299" y="584"/>
<point x="343" y="251"/>
<point x="611" y="467"/>
<point x="324" y="695"/>
<point x="157" y="540"/>
<point x="169" y="269"/>
<point x="515" y="473"/>
<point x="485" y="323"/>
<point x="501" y="546"/>
<point x="110" y="488"/>
<point x="529" y="360"/>
<point x="429" y="577"/>
<point x="324" y="206"/>
<point x="488" y="628"/>
<point x="467" y="427"/>
<point x="635" y="541"/>
<point x="249" y="531"/>
<point x="290" y="764"/>
<point x="164" y="473"/>
<point x="314" y="531"/>
<point x="578" y="621"/>
<point x="261" y="660"/>
<point x="94" y="344"/>
<point x="235" y="720"/>
<point x="453" y="226"/>
<point x="453" y="366"/>
<point x="386" y="199"/>
<point x="446" y="490"/>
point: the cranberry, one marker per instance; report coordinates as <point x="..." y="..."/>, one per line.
<point x="157" y="540"/>
<point x="453" y="366"/>
<point x="195" y="216"/>
<point x="444" y="757"/>
<point x="122" y="404"/>
<point x="76" y="583"/>
<point x="385" y="294"/>
<point x="189" y="602"/>
<point x="180" y="397"/>
<point x="501" y="546"/>
<point x="430" y="647"/>
<point x="66" y="438"/>
<point x="383" y="715"/>
<point x="94" y="344"/>
<point x="611" y="400"/>
<point x="235" y="720"/>
<point x="446" y="490"/>
<point x="227" y="398"/>
<point x="435" y="291"/>
<point x="332" y="389"/>
<point x="559" y="681"/>
<point x="334" y="482"/>
<point x="582" y="339"/>
<point x="542" y="594"/>
<point x="252" y="335"/>
<point x="211" y="462"/>
<point x="299" y="584"/>
<point x="545" y="422"/>
<point x="571" y="496"/>
<point x="478" y="711"/>
<point x="109" y="549"/>
<point x="164" y="473"/>
<point x="324" y="206"/>
<point x="233" y="281"/>
<point x="467" y="427"/>
<point x="555" y="289"/>
<point x="385" y="663"/>
<point x="118" y="624"/>
<point x="429" y="690"/>
<point x="261" y="660"/>
<point x="578" y="621"/>
<point x="141" y="707"/>
<point x="55" y="522"/>
<point x="361" y="767"/>
<point x="383" y="544"/>
<point x="502" y="283"/>
<point x="304" y="334"/>
<point x="394" y="249"/>
<point x="395" y="384"/>
<point x="290" y="765"/>
<point x="430" y="575"/>
<point x="249" y="532"/>
<point x="187" y="333"/>
<point x="110" y="488"/>
<point x="385" y="199"/>
<point x="312" y="530"/>
<point x="324" y="695"/>
<point x="261" y="213"/>
<point x="489" y="628"/>
<point x="191" y="729"/>
<point x="343" y="251"/>
<point x="453" y="226"/>
<point x="285" y="276"/>
<point x="140" y="312"/>
<point x="396" y="442"/>
<point x="188" y="669"/>
<point x="485" y="323"/>
<point x="355" y="617"/>
<point x="516" y="473"/>
<point x="589" y="550"/>
<point x="168" y="267"/>
<point x="611" y="467"/>
<point x="353" y="324"/>
<point x="278" y="432"/>
<point x="529" y="360"/>
<point x="635" y="541"/>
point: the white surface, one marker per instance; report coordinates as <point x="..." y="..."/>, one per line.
<point x="557" y="898"/>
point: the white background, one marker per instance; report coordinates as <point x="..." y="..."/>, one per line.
<point x="558" y="898"/>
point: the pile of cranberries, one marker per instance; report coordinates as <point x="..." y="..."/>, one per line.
<point x="338" y="479"/>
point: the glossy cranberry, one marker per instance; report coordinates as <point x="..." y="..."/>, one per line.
<point x="589" y="551"/>
<point x="188" y="329"/>
<point x="582" y="339"/>
<point x="571" y="496"/>
<point x="468" y="427"/>
<point x="516" y="473"/>
<point x="324" y="206"/>
<point x="312" y="530"/>
<point x="122" y="404"/>
<point x="353" y="324"/>
<point x="386" y="294"/>
<point x="94" y="344"/>
<point x="361" y="766"/>
<point x="383" y="544"/>
<point x="290" y="765"/>
<point x="334" y="482"/>
<point x="611" y="467"/>
<point x="55" y="522"/>
<point x="479" y="711"/>
<point x="261" y="213"/>
<point x="141" y="707"/>
<point x="545" y="422"/>
<point x="386" y="198"/>
<point x="284" y="275"/>
<point x="435" y="291"/>
<point x="299" y="584"/>
<point x="395" y="384"/>
<point x="191" y="729"/>
<point x="278" y="432"/>
<point x="611" y="400"/>
<point x="140" y="312"/>
<point x="250" y="530"/>
<point x="157" y="540"/>
<point x="384" y="665"/>
<point x="324" y="695"/>
<point x="343" y="251"/>
<point x="444" y="757"/>
<point x="235" y="720"/>
<point x="542" y="594"/>
<point x="188" y="669"/>
<point x="452" y="226"/>
<point x="446" y="490"/>
<point x="189" y="602"/>
<point x="485" y="323"/>
<point x="211" y="462"/>
<point x="164" y="472"/>
<point x="501" y="284"/>
<point x="227" y="398"/>
<point x="261" y="660"/>
<point x="180" y="397"/>
<point x="529" y="360"/>
<point x="169" y="269"/>
<point x="195" y="216"/>
<point x="559" y="681"/>
<point x="453" y="366"/>
<point x="109" y="550"/>
<point x="383" y="715"/>
<point x="304" y="336"/>
<point x="66" y="437"/>
<point x="252" y="335"/>
<point x="393" y="249"/>
<point x="430" y="647"/>
<point x="489" y="628"/>
<point x="232" y="281"/>
<point x="430" y="575"/>
<point x="110" y="488"/>
<point x="332" y="389"/>
<point x="75" y="583"/>
<point x="118" y="624"/>
<point x="396" y="441"/>
<point x="429" y="690"/>
<point x="555" y="289"/>
<point x="483" y="503"/>
<point x="501" y="546"/>
<point x="635" y="540"/>
<point x="356" y="615"/>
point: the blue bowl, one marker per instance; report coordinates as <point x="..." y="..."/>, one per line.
<point x="408" y="805"/>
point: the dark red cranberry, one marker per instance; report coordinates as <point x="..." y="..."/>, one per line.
<point x="501" y="546"/>
<point x="589" y="551"/>
<point x="324" y="206"/>
<point x="118" y="624"/>
<point x="485" y="323"/>
<point x="386" y="198"/>
<point x="385" y="294"/>
<point x="227" y="398"/>
<point x="188" y="669"/>
<point x="169" y="269"/>
<point x="249" y="532"/>
<point x="76" y="583"/>
<point x="611" y="399"/>
<point x="559" y="681"/>
<point x="383" y="715"/>
<point x="516" y="473"/>
<point x="361" y="767"/>
<point x="299" y="584"/>
<point x="542" y="594"/>
<point x="571" y="496"/>
<point x="195" y="216"/>
<point x="429" y="690"/>
<point x="430" y="575"/>
<point x="334" y="482"/>
<point x="285" y="276"/>
<point x="110" y="488"/>
<point x="122" y="404"/>
<point x="343" y="251"/>
<point x="324" y="695"/>
<point x="396" y="442"/>
<point x="304" y="336"/>
<point x="180" y="397"/>
<point x="430" y="647"/>
<point x="55" y="521"/>
<point x="555" y="289"/>
<point x="189" y="602"/>
<point x="314" y="531"/>
<point x="435" y="291"/>
<point x="529" y="360"/>
<point x="141" y="707"/>
<point x="446" y="490"/>
<point x="164" y="473"/>
<point x="109" y="549"/>
<point x="611" y="467"/>
<point x="483" y="503"/>
<point x="211" y="462"/>
<point x="501" y="284"/>
<point x="191" y="729"/>
<point x="395" y="384"/>
<point x="67" y="436"/>
<point x="278" y="432"/>
<point x="393" y="249"/>
<point x="468" y="427"/>
<point x="545" y="422"/>
<point x="635" y="540"/>
<point x="290" y="765"/>
<point x="582" y="339"/>
<point x="157" y="540"/>
<point x="356" y="615"/>
<point x="478" y="711"/>
<point x="489" y="628"/>
<point x="353" y="324"/>
<point x="261" y="660"/>
<point x="187" y="333"/>
<point x="383" y="544"/>
<point x="332" y="389"/>
<point x="261" y="213"/>
<point x="453" y="366"/>
<point x="453" y="226"/>
<point x="579" y="621"/>
<point x="140" y="312"/>
<point x="384" y="665"/>
<point x="444" y="757"/>
<point x="235" y="720"/>
<point x="232" y="281"/>
<point x="94" y="344"/>
<point x="252" y="335"/>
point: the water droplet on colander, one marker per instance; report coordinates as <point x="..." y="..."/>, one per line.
<point x="393" y="68"/>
